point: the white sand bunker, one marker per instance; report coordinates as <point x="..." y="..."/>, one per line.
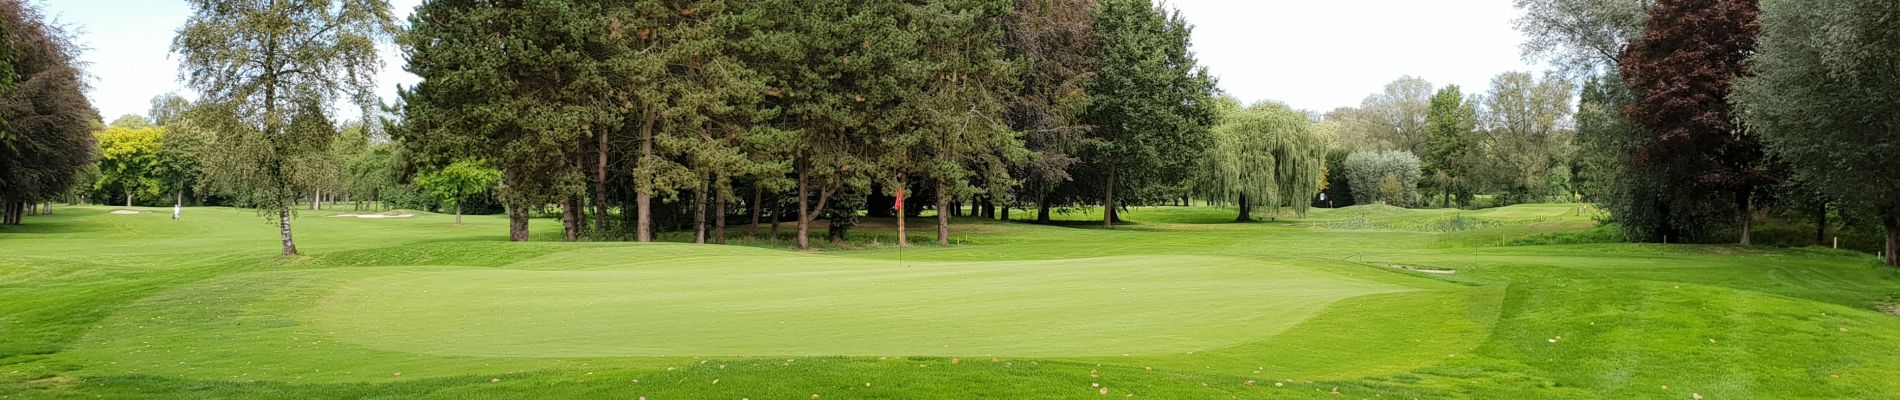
<point x="374" y="216"/>
<point x="126" y="212"/>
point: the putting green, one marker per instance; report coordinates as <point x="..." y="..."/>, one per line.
<point x="764" y="304"/>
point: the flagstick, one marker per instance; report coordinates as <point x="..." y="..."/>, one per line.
<point x="901" y="236"/>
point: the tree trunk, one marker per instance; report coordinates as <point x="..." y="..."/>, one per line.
<point x="1820" y="225"/>
<point x="1893" y="239"/>
<point x="699" y="209"/>
<point x="1246" y="210"/>
<point x="517" y="223"/>
<point x="1042" y="210"/>
<point x="283" y="231"/>
<point x="719" y="213"/>
<point x="48" y="210"/>
<point x="1108" y="201"/>
<point x="458" y="213"/>
<point x="778" y="213"/>
<point x="577" y="212"/>
<point x="128" y="198"/>
<point x="943" y="219"/>
<point x="600" y="185"/>
<point x="758" y="198"/>
<point x="804" y="197"/>
<point x="643" y="201"/>
<point x="1004" y="214"/>
<point x="568" y="220"/>
<point x="1746" y="201"/>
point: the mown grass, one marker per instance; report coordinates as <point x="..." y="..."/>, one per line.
<point x="1180" y="303"/>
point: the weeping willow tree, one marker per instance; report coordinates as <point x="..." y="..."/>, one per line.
<point x="1264" y="155"/>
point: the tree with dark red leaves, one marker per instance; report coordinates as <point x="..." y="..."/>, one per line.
<point x="46" y="123"/>
<point x="1682" y="70"/>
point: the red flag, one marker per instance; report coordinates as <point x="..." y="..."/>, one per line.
<point x="900" y="200"/>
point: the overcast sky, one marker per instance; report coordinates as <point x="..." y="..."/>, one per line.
<point x="1315" y="55"/>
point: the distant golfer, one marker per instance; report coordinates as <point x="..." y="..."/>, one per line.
<point x="177" y="208"/>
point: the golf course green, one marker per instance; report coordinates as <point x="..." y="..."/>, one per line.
<point x="1366" y="302"/>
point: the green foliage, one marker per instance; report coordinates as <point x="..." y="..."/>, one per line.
<point x="1453" y="146"/>
<point x="7" y="75"/>
<point x="1638" y="201"/>
<point x="1383" y="177"/>
<point x="268" y="72"/>
<point x="1823" y="94"/>
<point x="1265" y="155"/>
<point x="1582" y="38"/>
<point x="1152" y="106"/>
<point x="409" y="197"/>
<point x="129" y="159"/>
<point x="372" y="166"/>
<point x="180" y="159"/>
<point x="454" y="183"/>
<point x="969" y="81"/>
<point x="1526" y="141"/>
<point x="1056" y="42"/>
<point x="526" y="108"/>
<point x="1394" y="119"/>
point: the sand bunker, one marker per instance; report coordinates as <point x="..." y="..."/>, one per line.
<point x="1428" y="270"/>
<point x="374" y="216"/>
<point x="126" y="212"/>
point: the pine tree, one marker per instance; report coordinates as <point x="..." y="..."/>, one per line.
<point x="1151" y="107"/>
<point x="516" y="84"/>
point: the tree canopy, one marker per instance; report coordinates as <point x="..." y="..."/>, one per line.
<point x="1822" y="94"/>
<point x="268" y="72"/>
<point x="129" y="159"/>
<point x="453" y="184"/>
<point x="46" y="122"/>
<point x="1266" y="155"/>
<point x="1383" y="177"/>
<point x="1682" y="70"/>
<point x="1152" y="104"/>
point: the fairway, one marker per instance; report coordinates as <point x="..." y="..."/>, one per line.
<point x="1175" y="306"/>
<point x="949" y="199"/>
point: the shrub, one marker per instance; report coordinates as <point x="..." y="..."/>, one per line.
<point x="1383" y="177"/>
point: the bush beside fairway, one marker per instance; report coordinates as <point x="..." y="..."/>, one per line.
<point x="1177" y="305"/>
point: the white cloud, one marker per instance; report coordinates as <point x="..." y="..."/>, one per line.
<point x="1318" y="55"/>
<point x="129" y="50"/>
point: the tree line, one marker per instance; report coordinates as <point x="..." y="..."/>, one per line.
<point x="1685" y="119"/>
<point x="670" y="112"/>
<point x="1415" y="145"/>
<point x="1695" y="115"/>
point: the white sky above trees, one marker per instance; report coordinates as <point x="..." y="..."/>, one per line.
<point x="1313" y="55"/>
